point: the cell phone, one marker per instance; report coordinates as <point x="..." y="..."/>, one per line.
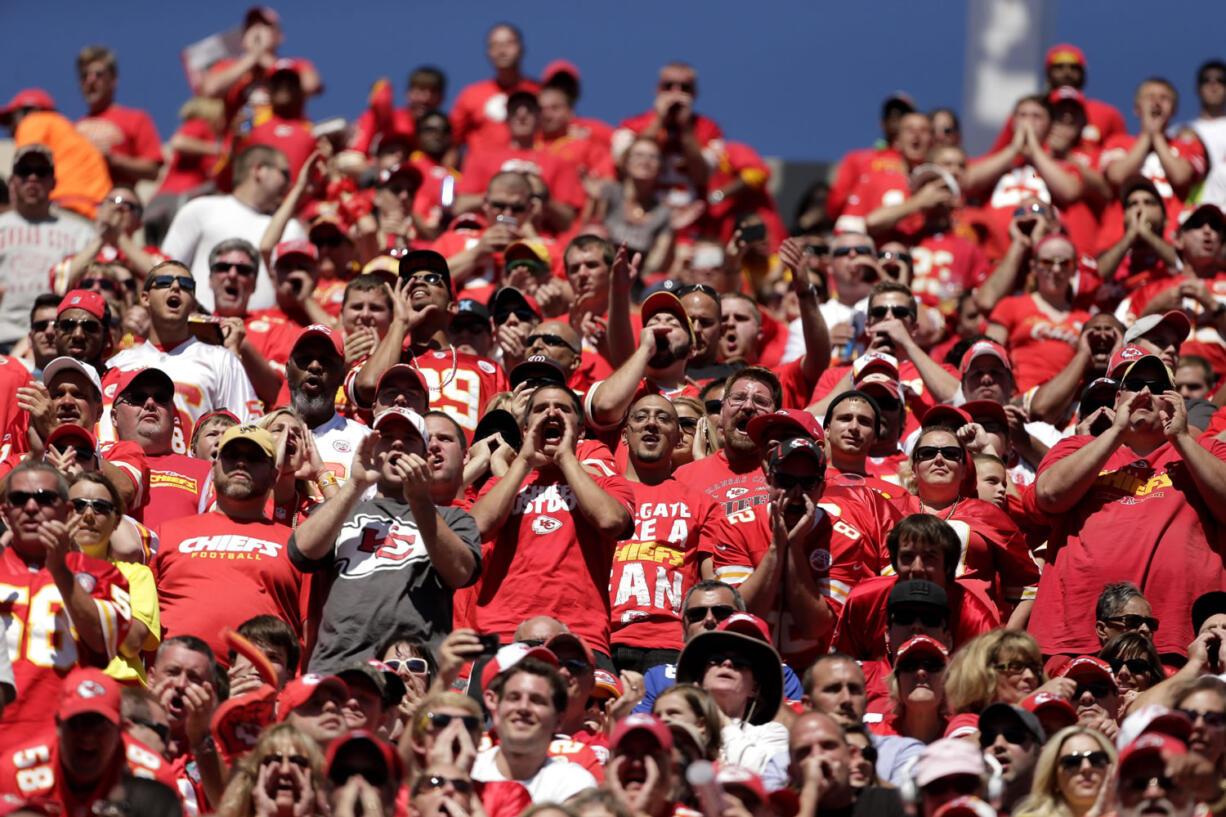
<point x="753" y="232"/>
<point x="205" y="328"/>
<point x="489" y="643"/>
<point x="1214" y="650"/>
<point x="508" y="220"/>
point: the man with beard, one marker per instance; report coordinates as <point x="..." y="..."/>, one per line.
<point x="314" y="374"/>
<point x="207" y="377"/>
<point x="422" y="307"/>
<point x="557" y="528"/>
<point x="395" y="558"/>
<point x="653" y="569"/>
<point x="185" y="679"/>
<point x="221" y="568"/>
<point x="82" y="328"/>
<point x="1153" y="777"/>
<point x="1145" y="480"/>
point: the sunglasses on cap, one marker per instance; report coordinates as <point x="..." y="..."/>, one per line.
<point x="929" y="665"/>
<point x="1072" y="762"/>
<point x="686" y="289"/>
<point x="1013" y="734"/>
<point x="185" y="283"/>
<point x="718" y="611"/>
<point x="950" y="453"/>
<point x="44" y="498"/>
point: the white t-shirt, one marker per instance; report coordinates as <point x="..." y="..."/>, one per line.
<point x="554" y="782"/>
<point x="203" y="223"/>
<point x="833" y="313"/>
<point x="28" y="251"/>
<point x="1212" y="133"/>
<point x="337" y="441"/>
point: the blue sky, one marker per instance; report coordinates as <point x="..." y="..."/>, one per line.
<point x="800" y="79"/>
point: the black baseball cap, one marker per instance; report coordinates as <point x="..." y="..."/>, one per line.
<point x="499" y="421"/>
<point x="1207" y="605"/>
<point x="470" y="311"/>
<point x="426" y="261"/>
<point x="538" y="367"/>
<point x="917" y="593"/>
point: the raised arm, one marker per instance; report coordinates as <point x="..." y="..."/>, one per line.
<point x="387" y="353"/>
<point x="449" y="555"/>
<point x="289" y="205"/>
<point x="605" y="513"/>
<point x="609" y="400"/>
<point x="82" y="608"/>
<point x="1208" y="472"/>
<point x="316" y="535"/>
<point x="1063" y="485"/>
<point x="622" y="276"/>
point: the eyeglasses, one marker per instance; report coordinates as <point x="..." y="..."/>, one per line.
<point x="438" y="721"/>
<point x="843" y="252"/>
<point x="417" y="666"/>
<point x="1139" y="383"/>
<point x="761" y="401"/>
<point x="1012" y="668"/>
<point x="125" y="204"/>
<point x="435" y="782"/>
<point x="1139" y="784"/>
<point x="1013" y="734"/>
<point x="929" y="665"/>
<point x="905" y="618"/>
<point x="718" y="611"/>
<point x="167" y="281"/>
<point x="575" y="666"/>
<point x="102" y="507"/>
<point x="523" y="314"/>
<point x="301" y="761"/>
<point x="737" y="661"/>
<point x="40" y="171"/>
<point x="41" y="326"/>
<point x="1071" y="763"/>
<point x="89" y="326"/>
<point x="329" y="240"/>
<point x="434" y="279"/>
<point x="1033" y="209"/>
<point x="550" y="340"/>
<point x="688" y="422"/>
<point x="789" y="481"/>
<point x="138" y="397"/>
<point x="1136" y="666"/>
<point x="890" y="255"/>
<point x="245" y="270"/>
<point x="44" y="498"/>
<point x="1099" y="689"/>
<point x="868" y="753"/>
<point x="162" y="730"/>
<point x="1214" y="720"/>
<point x="878" y="313"/>
<point x="98" y="283"/>
<point x="817" y="249"/>
<point x="676" y="85"/>
<point x="508" y="206"/>
<point x="687" y="289"/>
<point x="713" y="406"/>
<point x="950" y="453"/>
<point x="1056" y="263"/>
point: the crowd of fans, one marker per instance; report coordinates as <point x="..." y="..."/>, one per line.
<point x="498" y="461"/>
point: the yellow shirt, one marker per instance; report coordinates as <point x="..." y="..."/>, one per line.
<point x="144" y="595"/>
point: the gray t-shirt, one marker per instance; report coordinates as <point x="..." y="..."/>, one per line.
<point x="382" y="580"/>
<point x="28" y="251"/>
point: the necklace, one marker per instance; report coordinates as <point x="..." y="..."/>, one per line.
<point x="954" y="507"/>
<point x="450" y="374"/>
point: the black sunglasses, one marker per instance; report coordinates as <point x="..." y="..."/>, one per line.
<point x="788" y="481"/>
<point x="41" y="326"/>
<point x="878" y="313"/>
<point x="687" y="422"/>
<point x="713" y="406"/>
<point x="439" y="721"/>
<point x="100" y="283"/>
<point x="1139" y="383"/>
<point x="1099" y="689"/>
<point x="1132" y="621"/>
<point x="99" y="506"/>
<point x="162" y="730"/>
<point x="245" y="270"/>
<point x="187" y="284"/>
<point x="1071" y="763"/>
<point x="1136" y="666"/>
<point x="1013" y="734"/>
<point x="819" y="250"/>
<point x="951" y="453"/>
<point x="138" y="397"/>
<point x="905" y="618"/>
<point x="329" y="240"/>
<point x="437" y="781"/>
<point x="433" y="279"/>
<point x="718" y="611"/>
<point x="1214" y="720"/>
<point x="550" y="340"/>
<point x="668" y="85"/>
<point x="1138" y="784"/>
<point x="869" y="753"/>
<point x="89" y="326"/>
<point x="737" y="661"/>
<point x="43" y="497"/>
<point x="506" y="205"/>
<point x="929" y="665"/>
<point x="890" y="255"/>
<point x="39" y="170"/>
<point x="843" y="252"/>
<point x="523" y="313"/>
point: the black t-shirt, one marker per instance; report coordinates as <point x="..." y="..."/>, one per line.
<point x="871" y="801"/>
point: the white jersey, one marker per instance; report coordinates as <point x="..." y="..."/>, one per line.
<point x="337" y="441"/>
<point x="555" y="782"/>
<point x="28" y="251"/>
<point x="1212" y="133"/>
<point x="206" y="378"/>
<point x="203" y="223"/>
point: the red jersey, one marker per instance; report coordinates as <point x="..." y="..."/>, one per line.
<point x="581" y="753"/>
<point x="672" y="157"/>
<point x="479" y="115"/>
<point x="844" y="549"/>
<point x="860" y="631"/>
<point x="178" y="486"/>
<point x="577" y="147"/>
<point x="460" y="384"/>
<point x="883" y="184"/>
<point x="13" y="419"/>
<point x="1041" y="340"/>
<point x="273" y="335"/>
<point x="852" y="166"/>
<point x="886" y="468"/>
<point x="547" y="559"/>
<point x="1204" y="341"/>
<point x="560" y="177"/>
<point x="187" y="172"/>
<point x="1188" y="148"/>
<point x="214" y="572"/>
<point x="123" y="132"/>
<point x="887" y="490"/>
<point x="655" y="568"/>
<point x="367" y="127"/>
<point x="994" y="551"/>
<point x="42" y="641"/>
<point x="1143" y="520"/>
<point x="292" y="137"/>
<point x="1019" y="183"/>
<point x="732" y="491"/>
<point x="129" y="458"/>
<point x="34" y="770"/>
<point x="944" y="265"/>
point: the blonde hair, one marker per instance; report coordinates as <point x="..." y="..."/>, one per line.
<point x="1045" y="799"/>
<point x="301" y="486"/>
<point x="236" y="801"/>
<point x="416" y="725"/>
<point x="970" y="678"/>
<point x="704" y="707"/>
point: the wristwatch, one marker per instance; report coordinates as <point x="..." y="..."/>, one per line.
<point x="715" y="197"/>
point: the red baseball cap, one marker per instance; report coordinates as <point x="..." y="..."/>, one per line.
<point x="1152" y="743"/>
<point x="1125" y="356"/>
<point x="1066" y="93"/>
<point x="29" y="98"/>
<point x="981" y="348"/>
<point x="559" y="67"/>
<point x="92" y="302"/>
<point x="641" y="722"/>
<point x="921" y="645"/>
<point x="510" y="655"/>
<point x="299" y="691"/>
<point x="785" y="423"/>
<point x="88" y="690"/>
<point x="565" y="639"/>
<point x="356" y="741"/>
<point x="411" y="372"/>
<point x="946" y="415"/>
<point x="1088" y="666"/>
<point x="297" y="247"/>
<point x="1153" y="718"/>
<point x="71" y="430"/>
<point x="1064" y="54"/>
<point x="785" y="802"/>
<point x="873" y="362"/>
<point x="319" y="330"/>
<point x="746" y="624"/>
<point x="986" y="410"/>
<point x="1047" y="703"/>
<point x="665" y="301"/>
<point x="260" y="14"/>
<point x="797" y="445"/>
<point x="1176" y="319"/>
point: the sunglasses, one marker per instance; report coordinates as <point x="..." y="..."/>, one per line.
<point x="433" y="279"/>
<point x="868" y="753"/>
<point x="1030" y="210"/>
<point x="906" y="618"/>
<point x="687" y="87"/>
<point x="417" y="666"/>
<point x="1213" y="79"/>
<point x="138" y="397"/>
<point x="1140" y="784"/>
<point x="817" y="249"/>
<point x="950" y="453"/>
<point x="435" y="782"/>
<point x="550" y="340"/>
<point x="1071" y="763"/>
<point x="1018" y="667"/>
<point x="99" y="283"/>
<point x="163" y="731"/>
<point x="788" y="481"/>
<point x="44" y="498"/>
<point x="89" y="326"/>
<point x="719" y="612"/>
<point x="245" y="270"/>
<point x="575" y="666"/>
<point x="125" y="204"/>
<point x="878" y="313"/>
<point x="438" y="721"/>
<point x="929" y="665"/>
<point x="1056" y="263"/>
<point x="1214" y="720"/>
<point x="1099" y="689"/>
<point x="167" y="281"/>
<point x="843" y="252"/>
<point x="713" y="406"/>
<point x="523" y="313"/>
<point x="1136" y="666"/>
<point x="329" y="240"/>
<point x="737" y="661"/>
<point x="102" y="507"/>
<point x="301" y="761"/>
<point x="688" y="422"/>
<point x="890" y="255"/>
<point x="687" y="289"/>
<point x="1138" y="383"/>
<point x="508" y="206"/>
<point x="1013" y="734"/>
<point x="39" y="171"/>
<point x="41" y="325"/>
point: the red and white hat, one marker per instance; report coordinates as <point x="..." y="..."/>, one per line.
<point x="1064" y="54"/>
<point x="1152" y="743"/>
<point x="88" y="690"/>
<point x="1089" y="667"/>
<point x="319" y="330"/>
<point x="746" y="624"/>
<point x="984" y="347"/>
<point x="785" y="802"/>
<point x="1124" y="357"/>
<point x="966" y="806"/>
<point x="608" y="685"/>
<point x="298" y="247"/>
<point x="1044" y="704"/>
<point x="641" y="722"/>
<point x="921" y="645"/>
<point x="298" y="691"/>
<point x="92" y="302"/>
<point x="785" y="423"/>
<point x="408" y="415"/>
<point x="873" y="362"/>
<point x="510" y="655"/>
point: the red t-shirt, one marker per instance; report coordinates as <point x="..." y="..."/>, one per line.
<point x="547" y="559"/>
<point x="886" y="468"/>
<point x="122" y="131"/>
<point x="1188" y="148"/>
<point x="560" y="177"/>
<point x="273" y="335"/>
<point x="1041" y="342"/>
<point x="1204" y="341"/>
<point x="188" y="172"/>
<point x="214" y="572"/>
<point x="42" y="641"/>
<point x="13" y="419"/>
<point x="860" y="631"/>
<point x="579" y="149"/>
<point x="739" y="161"/>
<point x="844" y="550"/>
<point x="731" y="491"/>
<point x="852" y="166"/>
<point x="366" y="127"/>
<point x="880" y="185"/>
<point x="1021" y="182"/>
<point x="655" y="568"/>
<point x="479" y="115"/>
<point x="176" y="484"/>
<point x="292" y="137"/>
<point x="1143" y="520"/>
<point x="944" y="266"/>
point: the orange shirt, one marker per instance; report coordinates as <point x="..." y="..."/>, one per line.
<point x="81" y="175"/>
